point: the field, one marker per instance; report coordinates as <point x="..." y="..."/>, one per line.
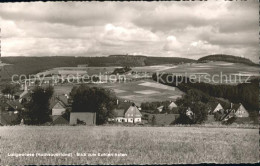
<point x="211" y="68"/>
<point x="136" y="91"/>
<point x="137" y="145"/>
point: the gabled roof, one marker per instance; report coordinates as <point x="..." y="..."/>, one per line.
<point x="161" y="107"/>
<point x="124" y="105"/>
<point x="14" y="104"/>
<point x="58" y="119"/>
<point x="172" y="105"/>
<point x="63" y="99"/>
<point x="58" y="99"/>
<point x="236" y="106"/>
<point x="212" y="105"/>
<point x="119" y="112"/>
<point x="229" y="112"/>
<point x="133" y="112"/>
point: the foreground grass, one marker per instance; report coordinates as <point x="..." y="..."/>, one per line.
<point x="143" y="145"/>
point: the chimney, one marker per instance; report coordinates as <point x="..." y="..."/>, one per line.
<point x="117" y="102"/>
<point x="231" y="105"/>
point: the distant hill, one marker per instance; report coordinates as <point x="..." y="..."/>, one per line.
<point x="33" y="65"/>
<point x="227" y="58"/>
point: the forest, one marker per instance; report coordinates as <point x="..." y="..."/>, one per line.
<point x="245" y="93"/>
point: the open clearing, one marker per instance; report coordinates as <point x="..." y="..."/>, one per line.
<point x="157" y="85"/>
<point x="135" y="91"/>
<point x="142" y="145"/>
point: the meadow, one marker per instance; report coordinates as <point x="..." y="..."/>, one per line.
<point x="137" y="145"/>
<point x="136" y="91"/>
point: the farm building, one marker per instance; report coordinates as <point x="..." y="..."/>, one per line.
<point x="172" y="105"/>
<point x="214" y="107"/>
<point x="133" y="114"/>
<point x="86" y="118"/>
<point x="59" y="120"/>
<point x="127" y="112"/>
<point x="58" y="108"/>
<point x="240" y="111"/>
<point x="59" y="104"/>
<point x="160" y="109"/>
<point x="236" y="110"/>
<point x="11" y="105"/>
<point x="120" y="115"/>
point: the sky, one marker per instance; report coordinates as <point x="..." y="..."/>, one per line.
<point x="164" y="29"/>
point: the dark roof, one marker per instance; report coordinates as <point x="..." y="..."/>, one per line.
<point x="124" y="105"/>
<point x="58" y="99"/>
<point x="212" y="105"/>
<point x="14" y="104"/>
<point x="133" y="111"/>
<point x="229" y="112"/>
<point x="236" y="106"/>
<point x="63" y="99"/>
<point x="119" y="112"/>
<point x="58" y="119"/>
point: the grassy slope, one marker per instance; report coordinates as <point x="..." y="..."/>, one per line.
<point x="143" y="145"/>
<point x="227" y="58"/>
<point x="32" y="65"/>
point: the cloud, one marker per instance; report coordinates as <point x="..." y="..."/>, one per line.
<point x="185" y="29"/>
<point x="172" y="44"/>
<point x="128" y="32"/>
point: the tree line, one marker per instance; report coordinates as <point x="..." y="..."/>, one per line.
<point x="245" y="93"/>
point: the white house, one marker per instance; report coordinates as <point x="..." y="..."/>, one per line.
<point x="215" y="107"/>
<point x="129" y="115"/>
<point x="172" y="105"/>
<point x="120" y="115"/>
<point x="240" y="111"/>
<point x="59" y="108"/>
<point x="133" y="114"/>
<point x="160" y="108"/>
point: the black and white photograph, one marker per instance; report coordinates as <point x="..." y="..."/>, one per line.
<point x="129" y="82"/>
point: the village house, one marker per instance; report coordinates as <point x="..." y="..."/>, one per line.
<point x="236" y="110"/>
<point x="133" y="114"/>
<point x="172" y="105"/>
<point x="127" y="112"/>
<point x="214" y="107"/>
<point x="240" y="111"/>
<point x="59" y="120"/>
<point x="58" y="105"/>
<point x="11" y="105"/>
<point x="160" y="109"/>
<point x="9" y="110"/>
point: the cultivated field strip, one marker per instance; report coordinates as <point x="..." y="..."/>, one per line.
<point x="143" y="145"/>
